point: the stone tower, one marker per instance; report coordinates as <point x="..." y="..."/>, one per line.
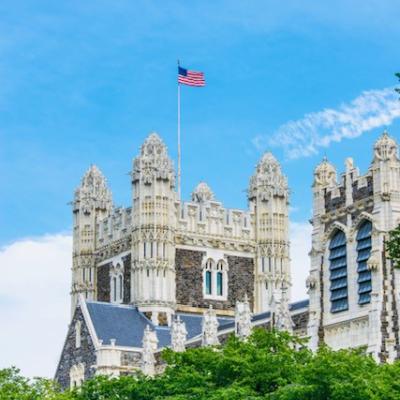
<point x="269" y="201"/>
<point x="92" y="203"/>
<point x="153" y="230"/>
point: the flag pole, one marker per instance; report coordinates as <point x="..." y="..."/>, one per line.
<point x="179" y="139"/>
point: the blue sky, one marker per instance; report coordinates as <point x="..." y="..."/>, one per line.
<point x="85" y="82"/>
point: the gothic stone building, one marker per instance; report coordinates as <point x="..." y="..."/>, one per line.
<point x="169" y="273"/>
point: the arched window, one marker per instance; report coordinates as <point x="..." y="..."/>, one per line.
<point x="338" y="272"/>
<point x="208" y="277"/>
<point x="117" y="284"/>
<point x="215" y="279"/>
<point x="363" y="253"/>
<point x="220" y="278"/>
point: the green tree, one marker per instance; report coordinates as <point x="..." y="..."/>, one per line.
<point x="269" y="365"/>
<point x="393" y="246"/>
<point x="13" y="386"/>
<point x="398" y="76"/>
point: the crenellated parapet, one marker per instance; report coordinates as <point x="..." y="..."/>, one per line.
<point x="205" y="216"/>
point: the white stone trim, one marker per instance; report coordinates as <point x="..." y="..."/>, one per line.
<point x="115" y="259"/>
<point x="89" y="323"/>
<point x="210" y="250"/>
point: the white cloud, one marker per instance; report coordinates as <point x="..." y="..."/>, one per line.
<point x="300" y="237"/>
<point x="34" y="303"/>
<point x="304" y="137"/>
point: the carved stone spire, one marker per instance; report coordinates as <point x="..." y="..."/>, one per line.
<point x="178" y="335"/>
<point x="153" y="162"/>
<point x="385" y="148"/>
<point x="268" y="179"/>
<point x="325" y="174"/>
<point x="202" y="193"/>
<point x="93" y="193"/>
<point x="210" y="328"/>
<point x="149" y="344"/>
<point x="243" y="318"/>
<point x="281" y="315"/>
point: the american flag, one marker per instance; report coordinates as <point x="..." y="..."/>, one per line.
<point x="190" y="78"/>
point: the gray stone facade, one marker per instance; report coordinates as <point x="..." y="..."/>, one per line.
<point x="103" y="282"/>
<point x="127" y="278"/>
<point x="189" y="280"/>
<point x="71" y="355"/>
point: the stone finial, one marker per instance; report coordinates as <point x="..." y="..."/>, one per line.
<point x="268" y="179"/>
<point x="153" y="163"/>
<point x="210" y="328"/>
<point x="385" y="148"/>
<point x="93" y="193"/>
<point x="243" y="318"/>
<point x="202" y="193"/>
<point x="178" y="335"/>
<point x="281" y="315"/>
<point x="324" y="174"/>
<point x="149" y="345"/>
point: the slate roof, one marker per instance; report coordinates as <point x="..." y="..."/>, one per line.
<point x="126" y="324"/>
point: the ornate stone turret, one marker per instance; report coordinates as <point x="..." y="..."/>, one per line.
<point x="92" y="203"/>
<point x="153" y="248"/>
<point x="243" y="319"/>
<point x="269" y="200"/>
<point x="149" y="344"/>
<point x="210" y="328"/>
<point x="385" y="148"/>
<point x="324" y="174"/>
<point x="178" y="335"/>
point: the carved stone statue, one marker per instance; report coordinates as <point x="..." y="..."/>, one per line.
<point x="210" y="328"/>
<point x="202" y="193"/>
<point x="149" y="344"/>
<point x="178" y="335"/>
<point x="243" y="319"/>
<point x="281" y="315"/>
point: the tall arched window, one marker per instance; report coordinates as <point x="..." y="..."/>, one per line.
<point x="208" y="277"/>
<point x="220" y="279"/>
<point x="363" y="253"/>
<point x="338" y="272"/>
<point x="117" y="283"/>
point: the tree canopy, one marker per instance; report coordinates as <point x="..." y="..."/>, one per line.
<point x="270" y="365"/>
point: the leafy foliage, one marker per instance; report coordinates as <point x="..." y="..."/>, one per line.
<point x="270" y="365"/>
<point x="393" y="246"/>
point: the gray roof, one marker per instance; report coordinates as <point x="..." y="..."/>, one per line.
<point x="126" y="324"/>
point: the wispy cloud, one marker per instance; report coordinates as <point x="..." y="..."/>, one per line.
<point x="304" y="137"/>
